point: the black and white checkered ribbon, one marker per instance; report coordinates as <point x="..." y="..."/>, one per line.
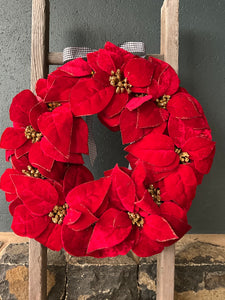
<point x="70" y="53"/>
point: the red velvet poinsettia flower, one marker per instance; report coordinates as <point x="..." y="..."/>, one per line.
<point x="134" y="124"/>
<point x="179" y="187"/>
<point x="165" y="81"/>
<point x="147" y="106"/>
<point x="7" y="186"/>
<point x="42" y="208"/>
<point x="57" y="87"/>
<point x="23" y="165"/>
<point x="141" y="221"/>
<point x="46" y="135"/>
<point x="86" y="203"/>
<point x="161" y="156"/>
<point x="186" y="118"/>
<point x="108" y="90"/>
<point x="158" y="154"/>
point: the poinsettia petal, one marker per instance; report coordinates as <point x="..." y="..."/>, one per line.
<point x="76" y="242"/>
<point x="6" y="183"/>
<point x="60" y="89"/>
<point x="204" y="165"/>
<point x="21" y="163"/>
<point x="106" y="234"/>
<point x="128" y="127"/>
<point x="156" y="149"/>
<point x="38" y="195"/>
<point x="49" y="150"/>
<point x="149" y="115"/>
<point x="21" y="106"/>
<point x="77" y="67"/>
<point x="165" y="80"/>
<point x="90" y="194"/>
<point x="182" y="106"/>
<point x="105" y="61"/>
<point x="87" y="99"/>
<point x="12" y="138"/>
<point x="198" y="147"/>
<point x="74" y="176"/>
<point x="139" y="72"/>
<point x="122" y="193"/>
<point x="26" y="224"/>
<point x="57" y="171"/>
<point x="41" y="87"/>
<point x="51" y="237"/>
<point x="24" y="149"/>
<point x="35" y="112"/>
<point x="158" y="229"/>
<point x="39" y="159"/>
<point x="145" y="247"/>
<point x="116" y="105"/>
<point x="147" y="204"/>
<point x="13" y="205"/>
<point x="79" y="138"/>
<point x="181" y="130"/>
<point x="118" y="50"/>
<point x="56" y="126"/>
<point x="139" y="176"/>
<point x="111" y="123"/>
<point x="10" y="197"/>
<point x="72" y="216"/>
<point x="176" y="217"/>
<point x="135" y="102"/>
<point x="85" y="219"/>
<point x="180" y="187"/>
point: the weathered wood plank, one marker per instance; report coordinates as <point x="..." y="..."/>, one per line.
<point x="165" y="274"/>
<point x="170" y="32"/>
<point x="39" y="69"/>
<point x="37" y="271"/>
<point x="170" y="50"/>
<point x="56" y="58"/>
<point x="39" y="40"/>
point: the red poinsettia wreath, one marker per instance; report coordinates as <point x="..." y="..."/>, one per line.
<point x="55" y="199"/>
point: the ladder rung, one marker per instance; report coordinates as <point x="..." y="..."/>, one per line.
<point x="56" y="58"/>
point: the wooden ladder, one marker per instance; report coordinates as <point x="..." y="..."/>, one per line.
<point x="40" y="61"/>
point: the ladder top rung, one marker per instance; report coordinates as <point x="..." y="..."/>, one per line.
<point x="56" y="58"/>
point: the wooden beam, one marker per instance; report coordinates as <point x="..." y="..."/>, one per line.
<point x="165" y="274"/>
<point x="39" y="40"/>
<point x="39" y="69"/>
<point x="170" y="50"/>
<point x="170" y="32"/>
<point x="56" y="58"/>
<point x="37" y="271"/>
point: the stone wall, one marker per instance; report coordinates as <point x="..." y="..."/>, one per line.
<point x="200" y="272"/>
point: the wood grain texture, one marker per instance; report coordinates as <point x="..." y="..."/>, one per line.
<point x="39" y="40"/>
<point x="170" y="32"/>
<point x="170" y="50"/>
<point x="39" y="69"/>
<point x="37" y="271"/>
<point x="55" y="58"/>
<point x="165" y="274"/>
